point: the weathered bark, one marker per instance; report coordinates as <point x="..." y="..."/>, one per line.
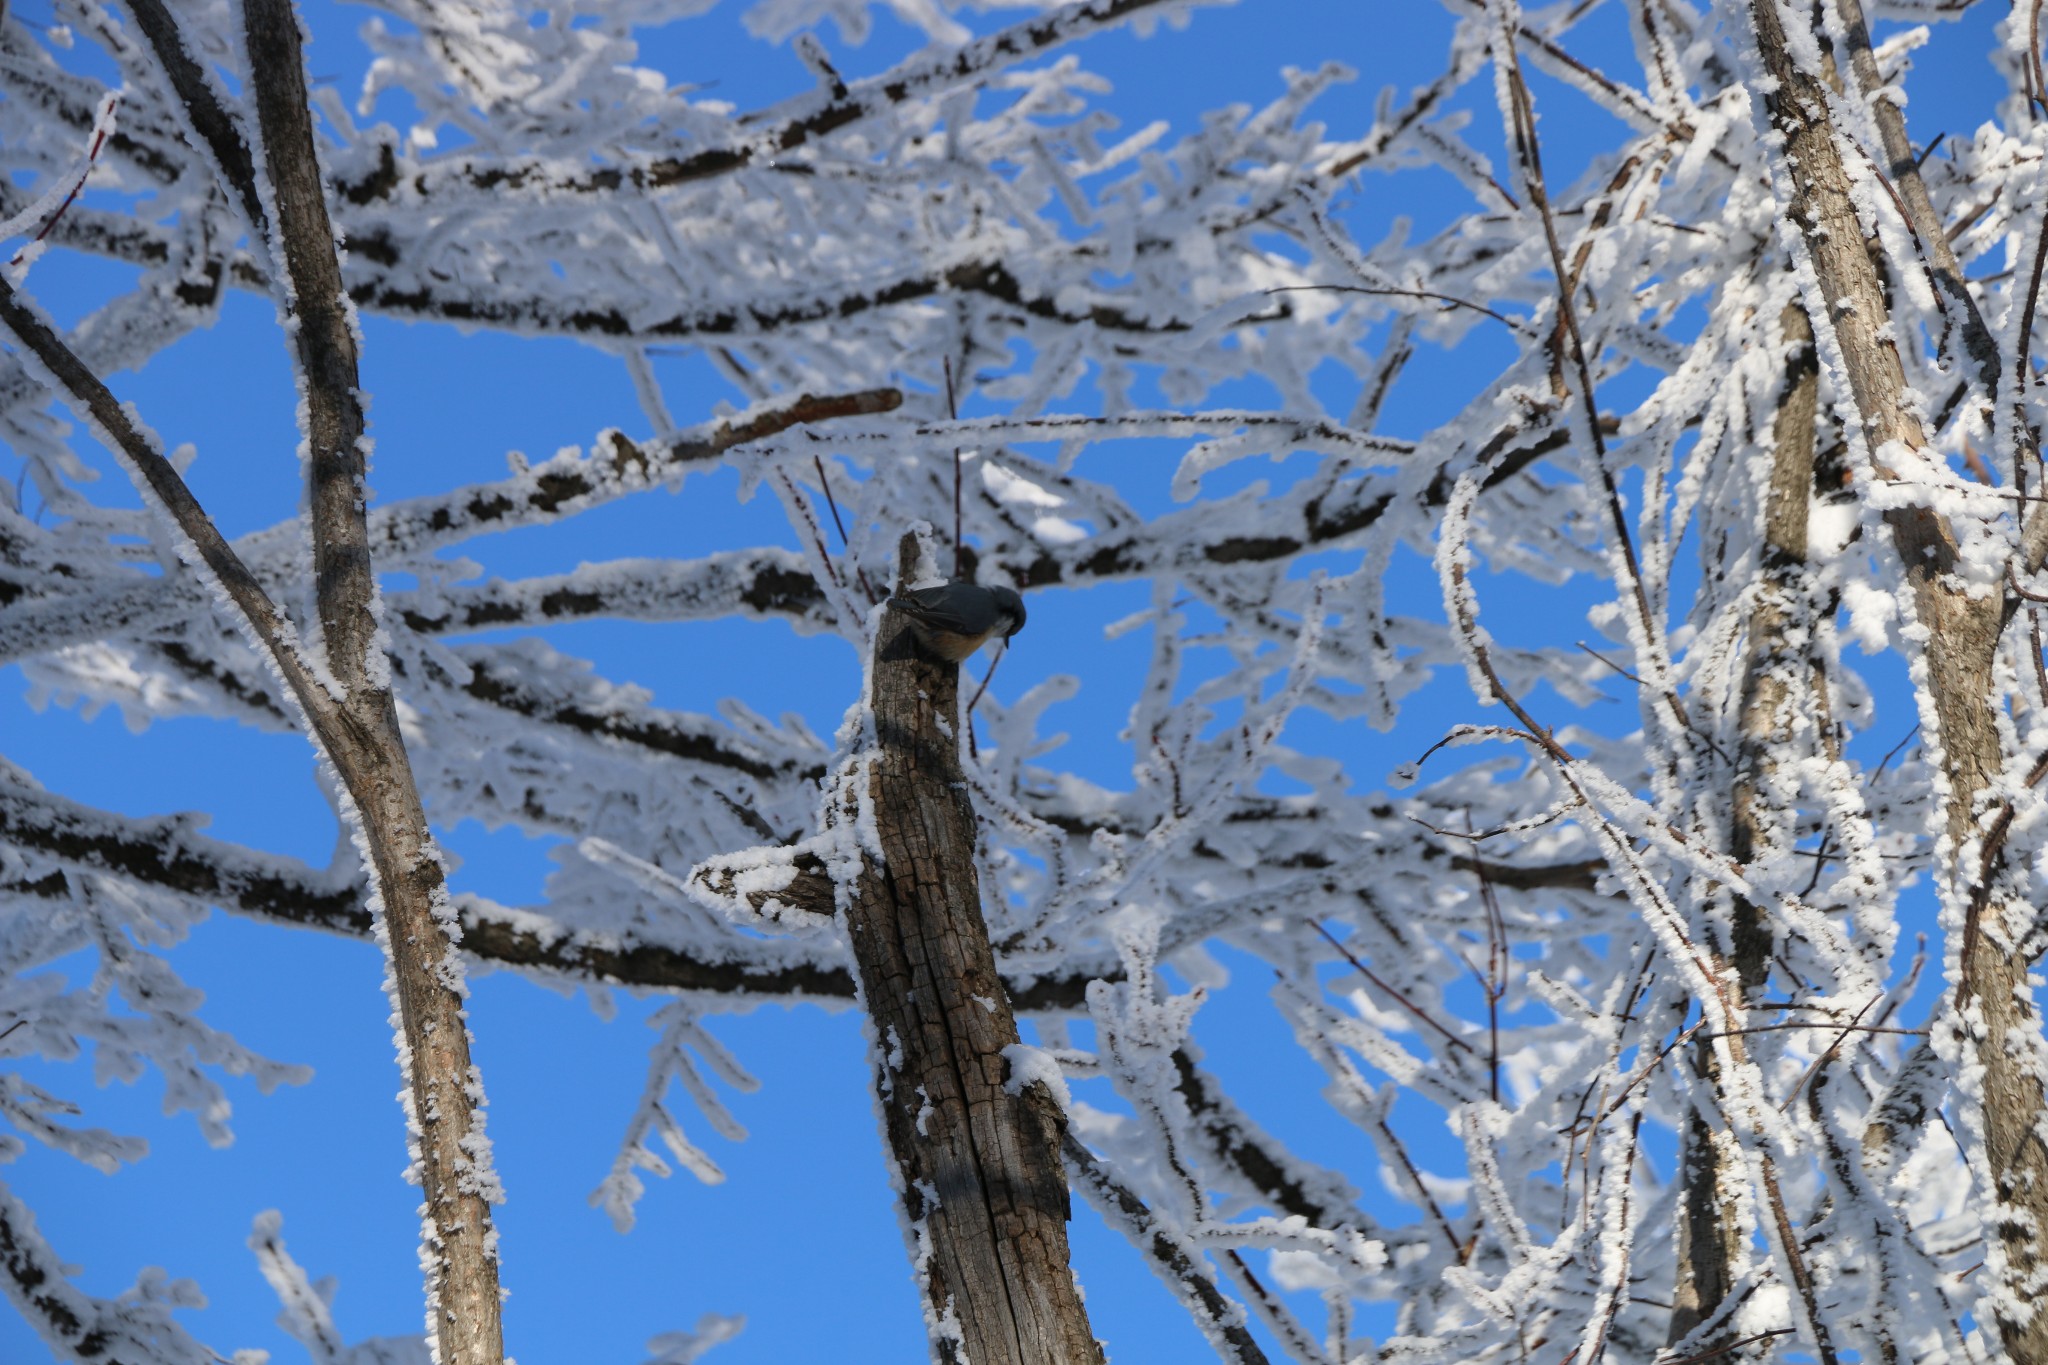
<point x="1990" y="1009"/>
<point x="979" y="1168"/>
<point x="1710" y="1235"/>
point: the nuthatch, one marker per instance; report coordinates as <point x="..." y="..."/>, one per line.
<point x="955" y="619"/>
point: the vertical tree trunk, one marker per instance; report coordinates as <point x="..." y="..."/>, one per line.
<point x="984" y="1192"/>
<point x="1990" y="1012"/>
<point x="453" y="1157"/>
<point x="1710" y="1234"/>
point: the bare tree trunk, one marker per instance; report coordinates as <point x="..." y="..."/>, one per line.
<point x="453" y="1160"/>
<point x="978" y="1160"/>
<point x="1991" y="1010"/>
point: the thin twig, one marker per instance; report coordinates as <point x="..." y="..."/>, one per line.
<point x="1001" y="650"/>
<point x="953" y="412"/>
<point x="1789" y="1028"/>
<point x="846" y="542"/>
<point x="1829" y="1051"/>
<point x="1220" y="1319"/>
<point x="1428" y="1200"/>
<point x="1449" y="301"/>
<point x="818" y="463"/>
<point x="1610" y="663"/>
<point x="1453" y="1039"/>
<point x="1279" y="1319"/>
<point x="92" y="156"/>
<point x="1528" y="151"/>
<point x="797" y="504"/>
<point x="1495" y="981"/>
<point x="1893" y="752"/>
<point x="1731" y="1347"/>
<point x="1607" y="1111"/>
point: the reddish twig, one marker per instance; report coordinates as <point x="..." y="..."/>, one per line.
<point x="92" y="156"/>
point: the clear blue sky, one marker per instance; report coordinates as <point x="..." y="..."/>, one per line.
<point x="802" y="1237"/>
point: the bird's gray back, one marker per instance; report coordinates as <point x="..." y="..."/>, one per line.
<point x="962" y="608"/>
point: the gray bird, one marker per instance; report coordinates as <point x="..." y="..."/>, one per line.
<point x="955" y="619"/>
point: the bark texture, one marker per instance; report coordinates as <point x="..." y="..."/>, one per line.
<point x="1903" y="169"/>
<point x="979" y="1167"/>
<point x="362" y="736"/>
<point x="1990" y="1008"/>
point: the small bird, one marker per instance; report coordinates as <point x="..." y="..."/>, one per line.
<point x="955" y="619"/>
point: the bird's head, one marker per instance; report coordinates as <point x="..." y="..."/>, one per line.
<point x="1009" y="611"/>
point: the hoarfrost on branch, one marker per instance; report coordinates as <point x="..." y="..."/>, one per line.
<point x="1578" y="974"/>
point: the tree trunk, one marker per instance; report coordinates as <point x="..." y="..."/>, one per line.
<point x="444" y="1098"/>
<point x="1990" y="1014"/>
<point x="978" y="1165"/>
<point x="1710" y="1233"/>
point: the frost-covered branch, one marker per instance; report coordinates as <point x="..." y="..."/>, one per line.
<point x="1992" y="1012"/>
<point x="765" y="135"/>
<point x="1659" y="909"/>
<point x="1222" y="1321"/>
<point x="135" y="1328"/>
<point x="415" y="922"/>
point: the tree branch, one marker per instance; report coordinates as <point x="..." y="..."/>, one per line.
<point x="801" y="121"/>
<point x="1991" y="1002"/>
<point x="213" y="127"/>
<point x="443" y="1112"/>
<point x="76" y="1325"/>
<point x="1172" y="1258"/>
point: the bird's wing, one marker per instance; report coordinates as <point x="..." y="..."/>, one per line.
<point x="971" y="611"/>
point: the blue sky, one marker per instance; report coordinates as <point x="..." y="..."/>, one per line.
<point x="802" y="1236"/>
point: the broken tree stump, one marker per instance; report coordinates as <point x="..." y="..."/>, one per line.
<point x="983" y="1189"/>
